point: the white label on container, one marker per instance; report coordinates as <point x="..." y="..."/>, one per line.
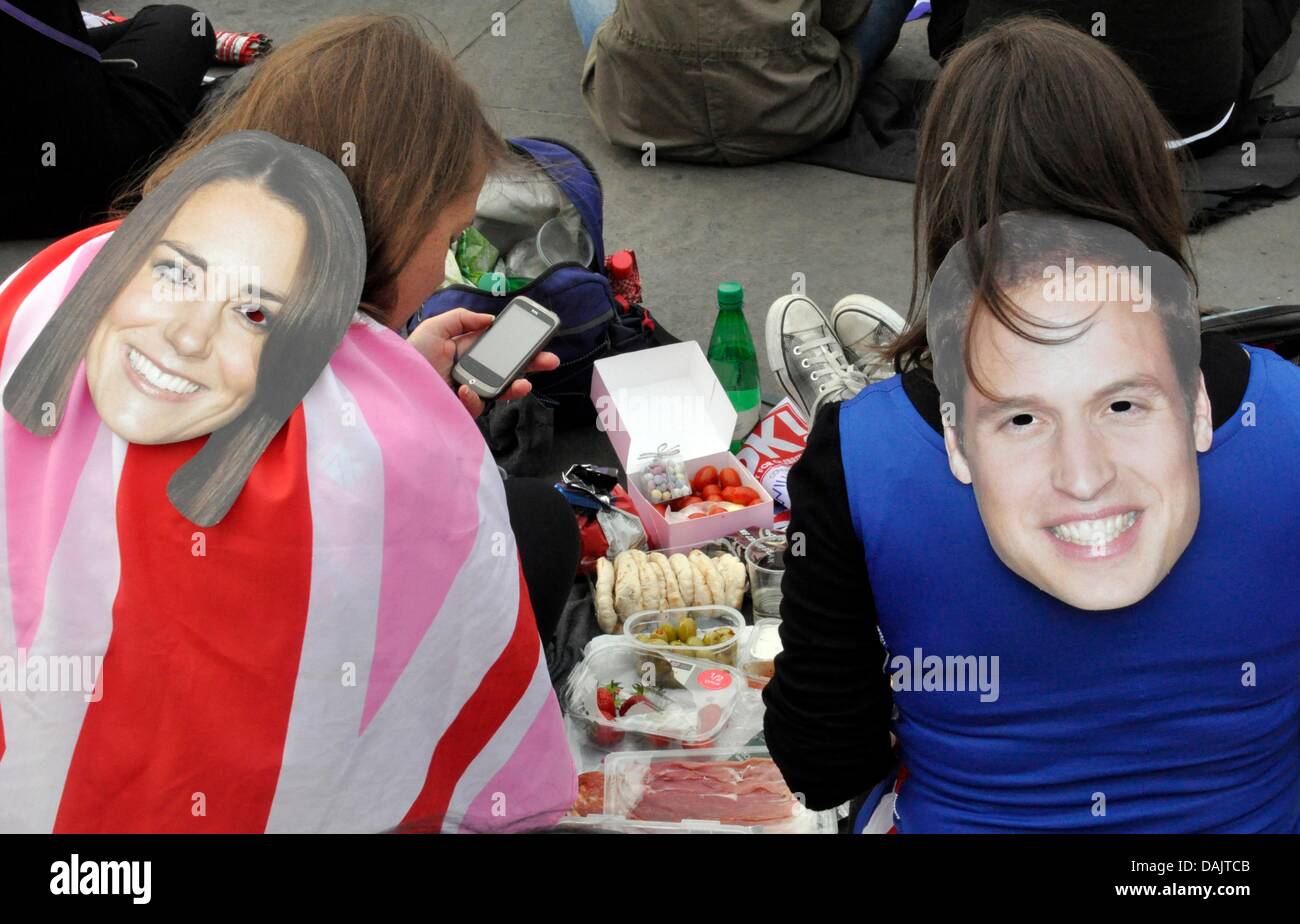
<point x="682" y="670"/>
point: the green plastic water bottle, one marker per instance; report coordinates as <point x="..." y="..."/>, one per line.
<point x="734" y="362"/>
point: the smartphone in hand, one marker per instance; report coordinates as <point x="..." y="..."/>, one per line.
<point x="503" y="350"/>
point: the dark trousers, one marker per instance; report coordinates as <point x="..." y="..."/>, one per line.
<point x="80" y="129"/>
<point x="1197" y="57"/>
<point x="549" y="547"/>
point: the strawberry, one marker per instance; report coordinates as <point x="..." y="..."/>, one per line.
<point x="607" y="702"/>
<point x="636" y="698"/>
<point x="607" y="699"/>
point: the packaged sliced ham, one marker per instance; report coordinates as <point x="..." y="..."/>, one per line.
<point x="739" y="787"/>
<point x="774" y="446"/>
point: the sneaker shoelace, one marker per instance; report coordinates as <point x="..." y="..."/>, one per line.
<point x="834" y="377"/>
<point x="871" y="365"/>
<point x="874" y="368"/>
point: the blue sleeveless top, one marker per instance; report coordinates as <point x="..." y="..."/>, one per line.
<point x="1179" y="713"/>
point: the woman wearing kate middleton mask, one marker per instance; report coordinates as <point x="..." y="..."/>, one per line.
<point x="353" y="645"/>
<point x="211" y="310"/>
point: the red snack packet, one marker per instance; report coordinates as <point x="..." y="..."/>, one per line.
<point x="774" y="446"/>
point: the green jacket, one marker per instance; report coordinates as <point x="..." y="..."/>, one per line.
<point x="723" y="81"/>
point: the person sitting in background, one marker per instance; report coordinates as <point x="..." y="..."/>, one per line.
<point x="1200" y="59"/>
<point x="1129" y="712"/>
<point x="730" y="81"/>
<point x="91" y="109"/>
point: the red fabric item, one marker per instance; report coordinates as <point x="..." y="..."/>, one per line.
<point x="21" y="285"/>
<point x="503" y="686"/>
<point x="37" y="268"/>
<point x="232" y="695"/>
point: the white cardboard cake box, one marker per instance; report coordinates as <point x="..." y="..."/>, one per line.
<point x="669" y="395"/>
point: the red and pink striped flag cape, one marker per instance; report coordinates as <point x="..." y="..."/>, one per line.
<point x="351" y="649"/>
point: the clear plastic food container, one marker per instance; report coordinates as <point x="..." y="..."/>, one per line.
<point x="712" y="632"/>
<point x="737" y="787"/>
<point x="660" y="700"/>
<point x="613" y="824"/>
<point x="757" y="660"/>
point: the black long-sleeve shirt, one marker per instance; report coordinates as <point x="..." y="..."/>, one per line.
<point x="829" y="705"/>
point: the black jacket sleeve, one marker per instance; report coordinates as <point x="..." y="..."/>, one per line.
<point x="944" y="31"/>
<point x="828" y="705"/>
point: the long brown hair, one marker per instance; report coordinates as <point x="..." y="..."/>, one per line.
<point x="1032" y="114"/>
<point x="375" y="95"/>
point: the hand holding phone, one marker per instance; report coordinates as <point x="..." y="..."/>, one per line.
<point x="503" y="351"/>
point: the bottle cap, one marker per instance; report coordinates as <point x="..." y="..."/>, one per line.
<point x="731" y="295"/>
<point x="620" y="264"/>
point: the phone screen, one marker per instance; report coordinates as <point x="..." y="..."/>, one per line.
<point x="512" y="337"/>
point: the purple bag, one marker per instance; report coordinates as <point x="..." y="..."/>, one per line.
<point x="592" y="323"/>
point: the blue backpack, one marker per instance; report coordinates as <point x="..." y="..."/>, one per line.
<point x="592" y="323"/>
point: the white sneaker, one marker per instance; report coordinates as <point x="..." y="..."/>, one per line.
<point x="805" y="356"/>
<point x="863" y="325"/>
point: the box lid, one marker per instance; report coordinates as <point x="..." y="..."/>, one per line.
<point x="666" y="394"/>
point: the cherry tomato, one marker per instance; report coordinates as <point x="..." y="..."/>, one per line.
<point x="742" y="495"/>
<point x="710" y="491"/>
<point x="684" y="502"/>
<point x="695" y="516"/>
<point x="706" y="475"/>
<point x="729" y="478"/>
<point x="713" y="511"/>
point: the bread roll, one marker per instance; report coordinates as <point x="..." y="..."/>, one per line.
<point x="652" y="585"/>
<point x="627" y="585"/>
<point x="714" y="587"/>
<point x="606" y="616"/>
<point x="734" y="578"/>
<point x="685" y="574"/>
<point x="672" y="593"/>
